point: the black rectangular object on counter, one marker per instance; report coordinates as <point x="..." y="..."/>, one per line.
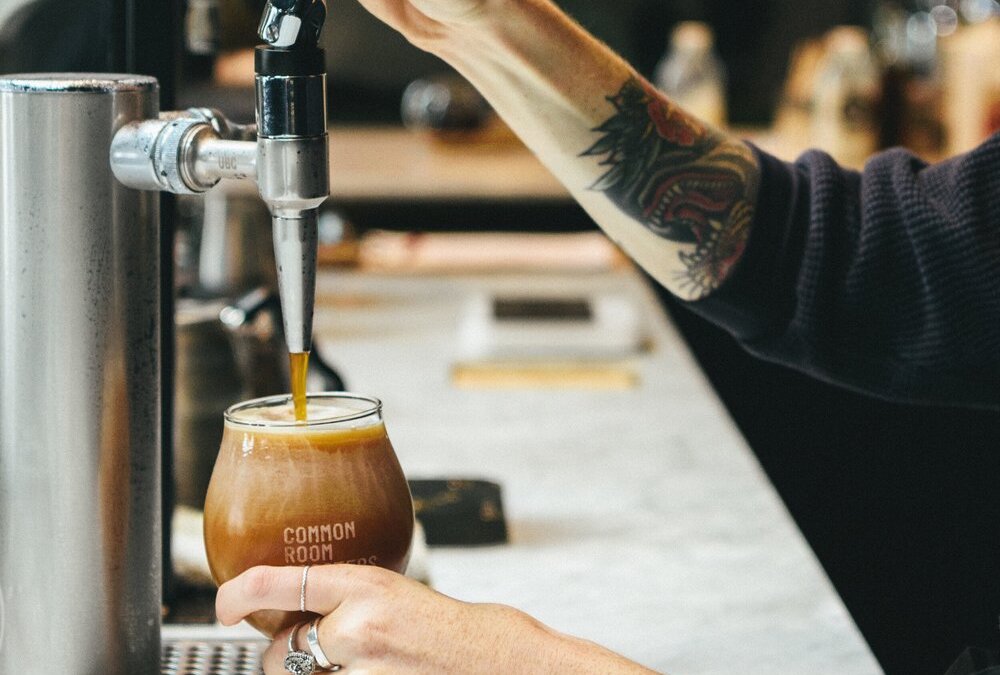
<point x="542" y="309"/>
<point x="457" y="512"/>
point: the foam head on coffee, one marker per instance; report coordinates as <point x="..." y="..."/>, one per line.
<point x="282" y="417"/>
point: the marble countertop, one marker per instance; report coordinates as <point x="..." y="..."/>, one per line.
<point x="638" y="517"/>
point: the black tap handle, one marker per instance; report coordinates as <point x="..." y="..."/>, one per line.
<point x="291" y="29"/>
<point x="314" y="19"/>
<point x="292" y="24"/>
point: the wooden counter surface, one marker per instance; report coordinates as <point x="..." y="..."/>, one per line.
<point x="392" y="163"/>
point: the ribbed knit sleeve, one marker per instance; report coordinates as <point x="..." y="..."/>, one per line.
<point x="885" y="281"/>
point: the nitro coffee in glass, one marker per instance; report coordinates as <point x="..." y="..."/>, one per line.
<point x="287" y="492"/>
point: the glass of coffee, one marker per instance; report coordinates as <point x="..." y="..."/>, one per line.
<point x="325" y="490"/>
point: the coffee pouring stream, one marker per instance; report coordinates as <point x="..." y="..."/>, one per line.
<point x="254" y="326"/>
<point x="227" y="353"/>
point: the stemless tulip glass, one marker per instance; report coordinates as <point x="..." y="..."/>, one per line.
<point x="327" y="490"/>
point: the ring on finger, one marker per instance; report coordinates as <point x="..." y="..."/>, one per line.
<point x="302" y="589"/>
<point x="298" y="662"/>
<point x="312" y="639"/>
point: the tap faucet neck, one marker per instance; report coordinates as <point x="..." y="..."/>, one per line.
<point x="292" y="152"/>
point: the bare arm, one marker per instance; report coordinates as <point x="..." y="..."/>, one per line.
<point x="675" y="194"/>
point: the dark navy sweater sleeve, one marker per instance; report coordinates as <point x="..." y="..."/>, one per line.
<point x="886" y="281"/>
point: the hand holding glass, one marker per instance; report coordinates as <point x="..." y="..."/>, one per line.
<point x="328" y="490"/>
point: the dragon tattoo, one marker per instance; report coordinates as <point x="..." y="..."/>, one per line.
<point x="680" y="179"/>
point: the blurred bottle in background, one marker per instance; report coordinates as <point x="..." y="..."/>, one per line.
<point x="692" y="75"/>
<point x="793" y="116"/>
<point x="970" y="66"/>
<point x="846" y="97"/>
<point x="910" y="114"/>
<point x="443" y="103"/>
<point x="940" y="75"/>
<point x="202" y="27"/>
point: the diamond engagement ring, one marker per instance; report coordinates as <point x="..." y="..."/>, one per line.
<point x="298" y="662"/>
<point x="312" y="639"/>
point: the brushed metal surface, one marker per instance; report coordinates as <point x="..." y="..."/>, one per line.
<point x="293" y="176"/>
<point x="295" y="244"/>
<point x="79" y="381"/>
<point x="235" y="252"/>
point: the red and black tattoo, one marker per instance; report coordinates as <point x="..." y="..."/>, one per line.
<point x="680" y="179"/>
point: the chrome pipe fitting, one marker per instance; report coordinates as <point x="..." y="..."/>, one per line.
<point x="181" y="153"/>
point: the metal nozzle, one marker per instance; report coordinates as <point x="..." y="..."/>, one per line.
<point x="295" y="255"/>
<point x="292" y="175"/>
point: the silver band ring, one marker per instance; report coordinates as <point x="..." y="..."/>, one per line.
<point x="312" y="639"/>
<point x="302" y="589"/>
<point x="298" y="662"/>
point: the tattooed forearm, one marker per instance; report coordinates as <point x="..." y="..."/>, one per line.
<point x="680" y="180"/>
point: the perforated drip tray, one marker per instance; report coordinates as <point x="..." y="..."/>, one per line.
<point x="212" y="657"/>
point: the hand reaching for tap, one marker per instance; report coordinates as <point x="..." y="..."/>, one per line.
<point x="425" y="22"/>
<point x="677" y="195"/>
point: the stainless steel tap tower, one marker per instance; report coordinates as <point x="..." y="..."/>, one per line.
<point x="81" y="160"/>
<point x="79" y="382"/>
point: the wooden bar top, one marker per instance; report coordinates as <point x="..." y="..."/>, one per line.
<point x="393" y="163"/>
